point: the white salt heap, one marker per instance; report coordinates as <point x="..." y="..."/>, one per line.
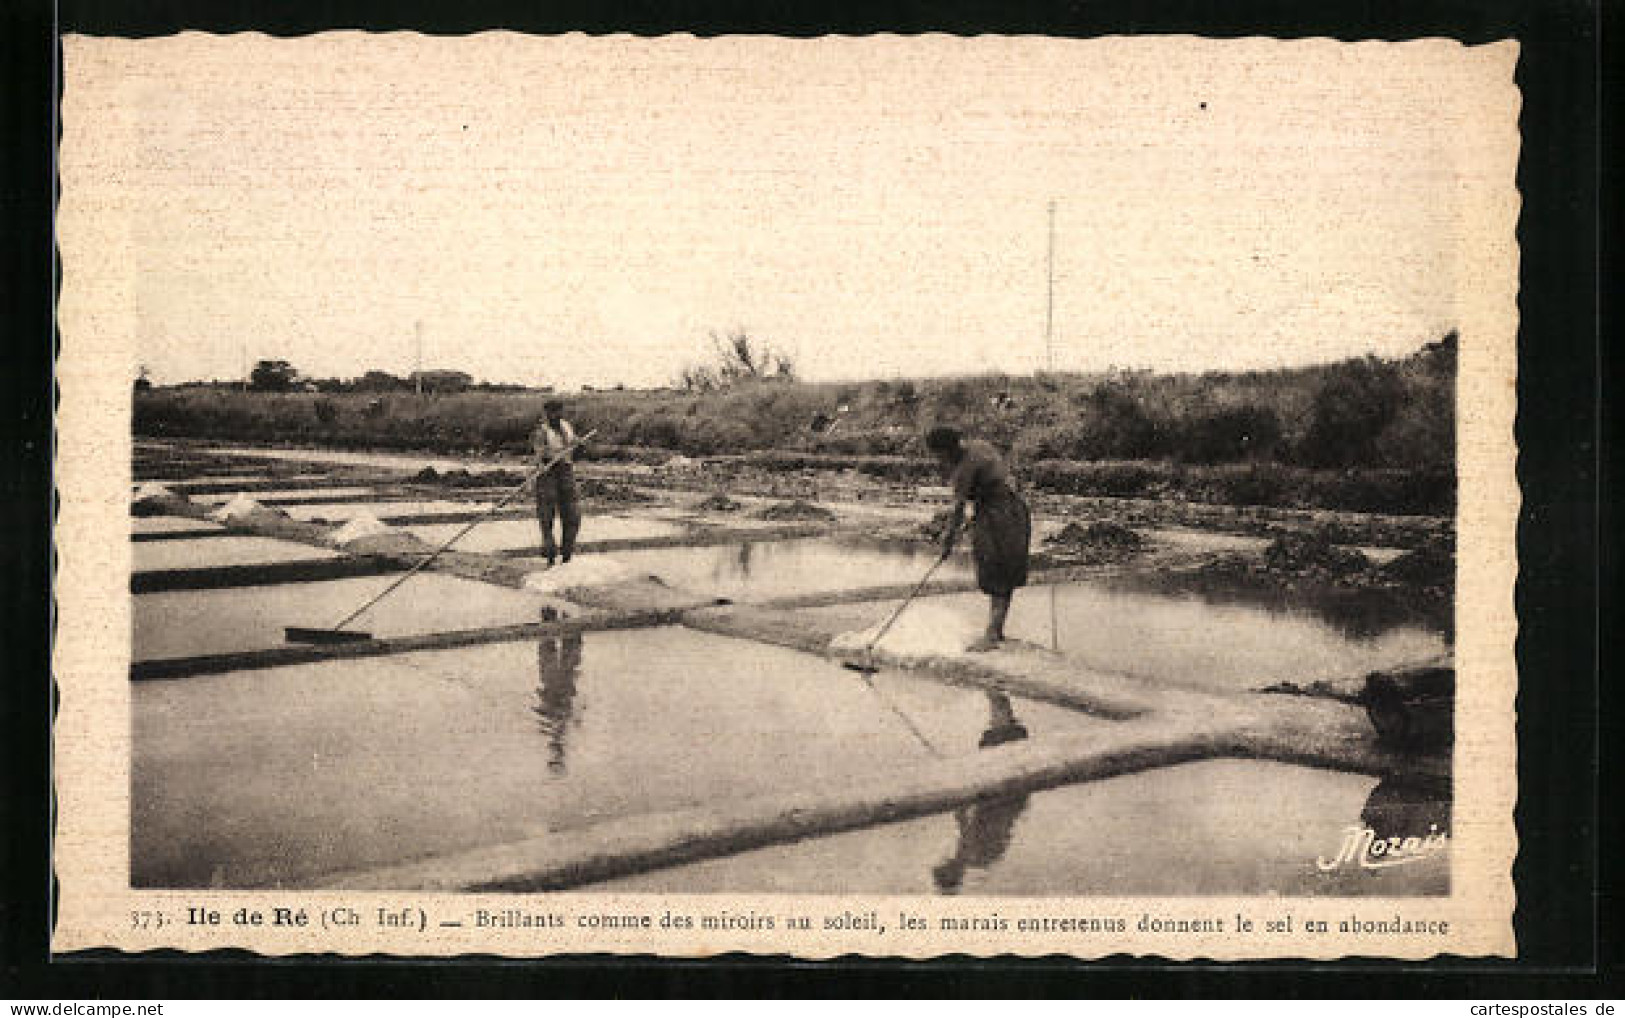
<point x="239" y="507"/>
<point x="922" y="632"/>
<point x="360" y="526"/>
<point x="153" y="490"/>
<point x="592" y="571"/>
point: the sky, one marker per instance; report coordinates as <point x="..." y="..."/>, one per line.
<point x="568" y="211"/>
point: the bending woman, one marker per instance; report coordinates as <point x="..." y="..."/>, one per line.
<point x="1002" y="527"/>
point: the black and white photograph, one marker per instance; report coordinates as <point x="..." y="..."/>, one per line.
<point x="879" y="495"/>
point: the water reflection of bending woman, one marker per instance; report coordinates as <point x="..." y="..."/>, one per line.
<point x="742" y="561"/>
<point x="558" y="665"/>
<point x="984" y="828"/>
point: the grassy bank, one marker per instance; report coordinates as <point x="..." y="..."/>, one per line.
<point x="1364" y="435"/>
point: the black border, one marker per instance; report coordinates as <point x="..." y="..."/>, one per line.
<point x="1559" y="429"/>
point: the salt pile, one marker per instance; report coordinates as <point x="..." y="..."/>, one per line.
<point x="153" y="490"/>
<point x="1097" y="542"/>
<point x="611" y="491"/>
<point x="796" y="510"/>
<point x="388" y="541"/>
<point x="152" y="499"/>
<point x="239" y="507"/>
<point x="593" y="571"/>
<point x="1431" y="565"/>
<point x="361" y="526"/>
<point x="922" y="632"/>
<point x="1313" y="554"/>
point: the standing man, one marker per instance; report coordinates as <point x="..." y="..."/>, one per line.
<point x="556" y="488"/>
<point x="1001" y="530"/>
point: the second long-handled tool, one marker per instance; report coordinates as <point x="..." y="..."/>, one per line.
<point x="338" y="634"/>
<point x="867" y="667"/>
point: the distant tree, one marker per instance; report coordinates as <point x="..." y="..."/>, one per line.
<point x="1115" y="424"/>
<point x="698" y="378"/>
<point x="441" y="381"/>
<point x="1440" y="357"/>
<point x="381" y="381"/>
<point x="272" y="376"/>
<point x="1227" y="434"/>
<point x="1350" y="411"/>
<point x="737" y="357"/>
<point x="743" y="358"/>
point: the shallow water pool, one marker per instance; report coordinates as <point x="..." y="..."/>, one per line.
<point x="762" y="570"/>
<point x="406" y="462"/>
<point x="276" y="776"/>
<point x="512" y="535"/>
<point x="183" y="623"/>
<point x="339" y="512"/>
<point x="1220" y="827"/>
<point x="280" y="495"/>
<point x="207" y="479"/>
<point x="169" y="524"/>
<point x="1185" y="632"/>
<point x="236" y="550"/>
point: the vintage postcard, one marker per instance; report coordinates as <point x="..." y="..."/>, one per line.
<point x="886" y="496"/>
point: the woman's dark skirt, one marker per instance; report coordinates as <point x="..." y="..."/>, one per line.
<point x="999" y="541"/>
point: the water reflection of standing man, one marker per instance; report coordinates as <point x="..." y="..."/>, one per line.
<point x="985" y="827"/>
<point x="558" y="668"/>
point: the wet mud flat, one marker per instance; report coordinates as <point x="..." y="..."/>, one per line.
<point x="512" y="760"/>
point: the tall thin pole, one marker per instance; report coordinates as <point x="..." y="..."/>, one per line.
<point x="1049" y="303"/>
<point x="418" y="374"/>
<point x="1049" y="358"/>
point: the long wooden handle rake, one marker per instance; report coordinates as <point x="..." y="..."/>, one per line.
<point x="867" y="667"/>
<point x="338" y="634"/>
